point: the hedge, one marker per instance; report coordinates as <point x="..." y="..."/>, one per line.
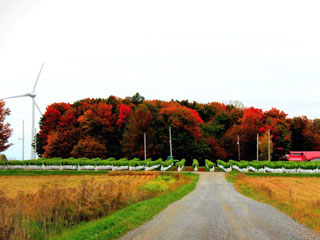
<point x="268" y="166"/>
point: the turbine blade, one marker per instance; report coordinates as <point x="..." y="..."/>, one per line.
<point x="38" y="108"/>
<point x="35" y="85"/>
<point x="22" y="95"/>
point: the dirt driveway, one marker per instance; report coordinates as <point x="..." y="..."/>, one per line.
<point x="215" y="210"/>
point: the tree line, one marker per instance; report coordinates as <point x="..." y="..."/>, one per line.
<point x="115" y="127"/>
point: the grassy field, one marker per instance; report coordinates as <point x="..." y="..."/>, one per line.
<point x="49" y="172"/>
<point x="298" y="195"/>
<point x="36" y="206"/>
<point x="12" y="185"/>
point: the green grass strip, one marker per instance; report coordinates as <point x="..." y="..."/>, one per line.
<point x="231" y="176"/>
<point x="13" y="172"/>
<point x="124" y="220"/>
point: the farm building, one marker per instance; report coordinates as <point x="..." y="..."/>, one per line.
<point x="298" y="156"/>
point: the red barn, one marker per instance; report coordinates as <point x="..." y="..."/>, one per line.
<point x="303" y="156"/>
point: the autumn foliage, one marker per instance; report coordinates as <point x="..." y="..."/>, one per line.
<point x="115" y="127"/>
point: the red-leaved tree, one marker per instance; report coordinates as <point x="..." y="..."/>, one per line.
<point x="5" y="130"/>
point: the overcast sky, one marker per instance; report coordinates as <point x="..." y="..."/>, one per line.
<point x="263" y="53"/>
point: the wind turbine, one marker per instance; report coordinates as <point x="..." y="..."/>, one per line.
<point x="34" y="104"/>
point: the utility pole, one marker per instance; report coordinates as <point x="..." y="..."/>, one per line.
<point x="35" y="143"/>
<point x="170" y="141"/>
<point x="238" y="142"/>
<point x="269" y="158"/>
<point x="22" y="140"/>
<point x="33" y="132"/>
<point x="258" y="147"/>
<point x="145" y="146"/>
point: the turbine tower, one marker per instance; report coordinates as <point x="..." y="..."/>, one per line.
<point x="34" y="104"/>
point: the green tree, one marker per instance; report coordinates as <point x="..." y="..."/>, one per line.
<point x="303" y="136"/>
<point x="136" y="99"/>
<point x="316" y="125"/>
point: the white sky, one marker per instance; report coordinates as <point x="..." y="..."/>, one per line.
<point x="263" y="53"/>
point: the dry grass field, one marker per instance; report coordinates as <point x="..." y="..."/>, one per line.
<point x="12" y="185"/>
<point x="35" y="207"/>
<point x="299" y="197"/>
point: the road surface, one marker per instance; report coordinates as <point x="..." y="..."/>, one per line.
<point x="215" y="210"/>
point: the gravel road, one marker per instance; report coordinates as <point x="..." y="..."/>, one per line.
<point x="215" y="210"/>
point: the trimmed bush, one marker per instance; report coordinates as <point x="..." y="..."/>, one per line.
<point x="167" y="163"/>
<point x="181" y="163"/>
<point x="224" y="164"/>
<point x="151" y="163"/>
<point x="209" y="164"/>
<point x="195" y="163"/>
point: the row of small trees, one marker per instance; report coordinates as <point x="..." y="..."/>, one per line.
<point x="267" y="166"/>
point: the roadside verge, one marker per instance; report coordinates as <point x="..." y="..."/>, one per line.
<point x="126" y="219"/>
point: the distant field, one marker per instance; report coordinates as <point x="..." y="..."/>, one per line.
<point x="12" y="185"/>
<point x="297" y="196"/>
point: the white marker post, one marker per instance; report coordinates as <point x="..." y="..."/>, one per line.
<point x="258" y="147"/>
<point x="22" y="140"/>
<point x="269" y="157"/>
<point x="170" y="141"/>
<point x="145" y="146"/>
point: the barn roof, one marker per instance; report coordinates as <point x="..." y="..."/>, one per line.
<point x="303" y="155"/>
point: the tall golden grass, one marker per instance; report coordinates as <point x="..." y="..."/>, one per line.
<point x="299" y="197"/>
<point x="37" y="215"/>
<point x="11" y="185"/>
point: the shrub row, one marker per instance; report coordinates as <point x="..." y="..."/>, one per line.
<point x="258" y="165"/>
<point x="85" y="163"/>
<point x="123" y="162"/>
<point x="151" y="163"/>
